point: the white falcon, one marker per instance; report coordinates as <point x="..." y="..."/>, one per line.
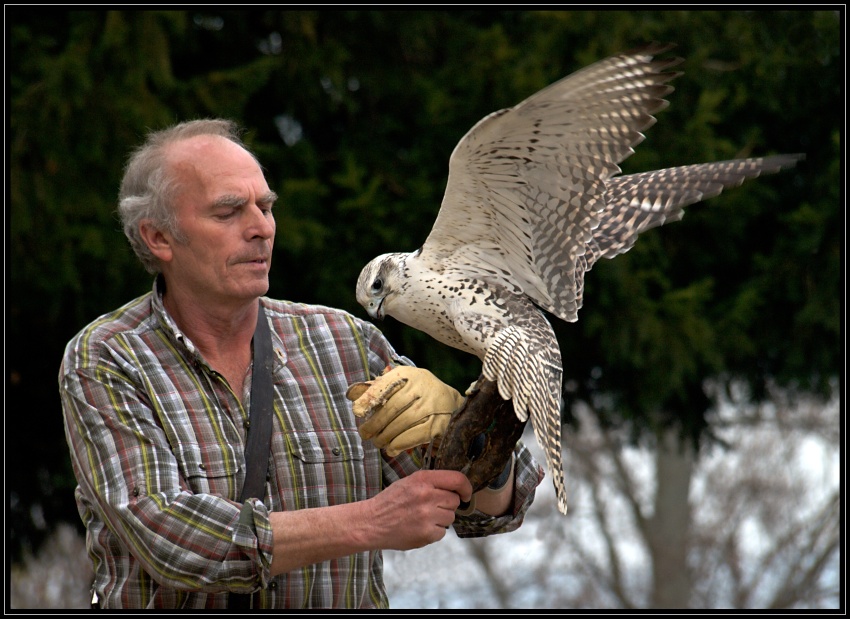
<point x="532" y="202"/>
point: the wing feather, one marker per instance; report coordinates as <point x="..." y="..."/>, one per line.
<point x="526" y="366"/>
<point x="638" y="202"/>
<point x="542" y="166"/>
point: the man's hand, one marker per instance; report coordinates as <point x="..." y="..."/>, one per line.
<point x="404" y="407"/>
<point x="417" y="510"/>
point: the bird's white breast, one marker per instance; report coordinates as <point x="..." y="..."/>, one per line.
<point x="456" y="310"/>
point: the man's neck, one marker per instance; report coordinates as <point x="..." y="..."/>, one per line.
<point x="221" y="334"/>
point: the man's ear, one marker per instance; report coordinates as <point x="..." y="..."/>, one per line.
<point x="158" y="242"/>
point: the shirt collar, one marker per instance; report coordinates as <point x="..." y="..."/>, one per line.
<point x="165" y="318"/>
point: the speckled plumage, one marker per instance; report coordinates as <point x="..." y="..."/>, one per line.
<point x="532" y="202"/>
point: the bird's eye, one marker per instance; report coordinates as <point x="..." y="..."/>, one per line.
<point x="377" y="285"/>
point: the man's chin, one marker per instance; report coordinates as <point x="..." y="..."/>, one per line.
<point x="255" y="288"/>
<point x="261" y="288"/>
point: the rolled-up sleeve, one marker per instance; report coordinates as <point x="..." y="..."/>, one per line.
<point x="527" y="476"/>
<point x="140" y="475"/>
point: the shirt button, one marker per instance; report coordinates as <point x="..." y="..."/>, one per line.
<point x="136" y="491"/>
<point x="246" y="424"/>
<point x="203" y="467"/>
<point x="335" y="451"/>
<point x="272" y="585"/>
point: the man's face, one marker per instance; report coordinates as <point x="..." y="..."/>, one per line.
<point x="224" y="211"/>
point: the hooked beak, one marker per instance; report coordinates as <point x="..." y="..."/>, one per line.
<point x="375" y="312"/>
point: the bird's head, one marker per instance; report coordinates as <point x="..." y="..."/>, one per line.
<point x="378" y="282"/>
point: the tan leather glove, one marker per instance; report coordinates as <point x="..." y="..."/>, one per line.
<point x="404" y="407"/>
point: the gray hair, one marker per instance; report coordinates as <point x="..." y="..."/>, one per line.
<point x="148" y="187"/>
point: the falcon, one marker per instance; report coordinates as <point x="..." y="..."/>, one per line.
<point x="533" y="200"/>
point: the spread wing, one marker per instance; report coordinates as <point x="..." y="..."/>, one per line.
<point x="638" y="202"/>
<point x="527" y="184"/>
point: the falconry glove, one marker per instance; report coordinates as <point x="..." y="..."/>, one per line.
<point x="403" y="408"/>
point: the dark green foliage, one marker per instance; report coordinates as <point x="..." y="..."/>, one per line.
<point x="746" y="287"/>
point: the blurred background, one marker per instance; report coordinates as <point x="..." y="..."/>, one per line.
<point x="702" y="392"/>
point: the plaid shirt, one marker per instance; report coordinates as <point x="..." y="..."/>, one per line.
<point x="157" y="444"/>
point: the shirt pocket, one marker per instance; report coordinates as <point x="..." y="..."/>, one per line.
<point x="325" y="468"/>
<point x="325" y="447"/>
<point x="209" y="468"/>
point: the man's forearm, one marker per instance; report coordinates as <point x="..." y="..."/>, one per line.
<point x="306" y="536"/>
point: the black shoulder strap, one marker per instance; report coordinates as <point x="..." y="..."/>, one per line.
<point x="261" y="414"/>
<point x="259" y="429"/>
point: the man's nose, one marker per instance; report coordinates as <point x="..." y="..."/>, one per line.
<point x="262" y="222"/>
